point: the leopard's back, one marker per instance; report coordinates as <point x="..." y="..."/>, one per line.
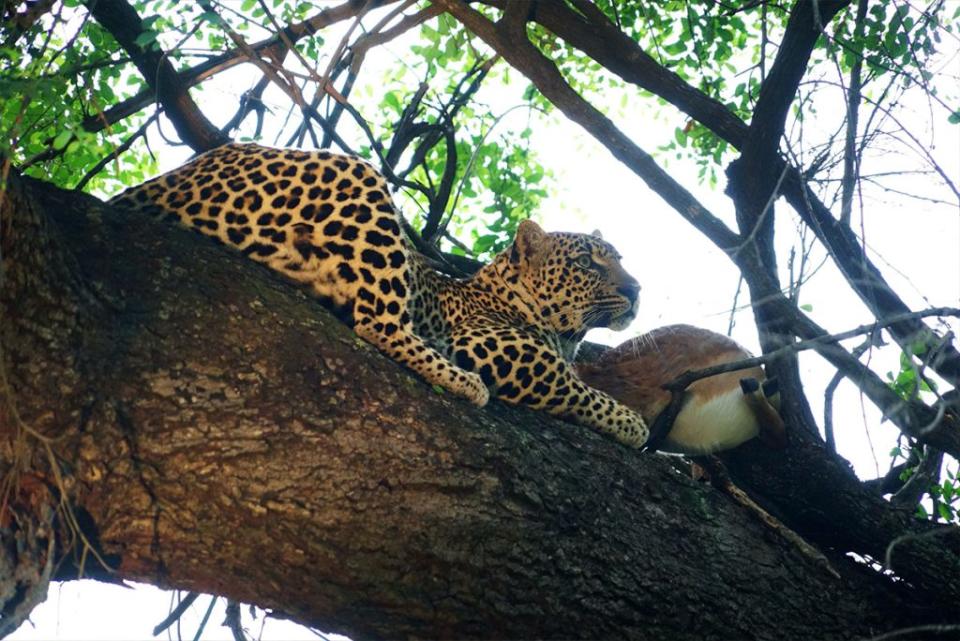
<point x="317" y="217"/>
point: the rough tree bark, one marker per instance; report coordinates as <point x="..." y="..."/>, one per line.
<point x="216" y="430"/>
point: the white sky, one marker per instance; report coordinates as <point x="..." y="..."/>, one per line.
<point x="684" y="278"/>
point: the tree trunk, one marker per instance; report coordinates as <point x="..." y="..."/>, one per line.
<point x="215" y="429"/>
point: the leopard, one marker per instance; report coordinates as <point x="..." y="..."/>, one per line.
<point x="328" y="220"/>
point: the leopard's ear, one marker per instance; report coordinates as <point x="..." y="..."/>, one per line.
<point x="596" y="234"/>
<point x="529" y="241"/>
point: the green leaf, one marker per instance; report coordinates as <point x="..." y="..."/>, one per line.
<point x="484" y="243"/>
<point x="680" y="136"/>
<point x="62" y="139"/>
<point x="391" y="100"/>
<point x="807" y="307"/>
<point x="945" y="512"/>
<point x="145" y="39"/>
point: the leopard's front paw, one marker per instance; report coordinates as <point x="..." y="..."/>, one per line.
<point x="633" y="433"/>
<point x="475" y="391"/>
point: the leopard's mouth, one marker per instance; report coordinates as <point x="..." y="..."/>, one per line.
<point x="623" y="319"/>
<point x="613" y="313"/>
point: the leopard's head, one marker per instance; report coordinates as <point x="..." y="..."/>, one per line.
<point x="574" y="281"/>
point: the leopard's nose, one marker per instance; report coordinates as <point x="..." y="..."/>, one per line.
<point x="629" y="290"/>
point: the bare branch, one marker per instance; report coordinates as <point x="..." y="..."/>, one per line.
<point x="873" y="340"/>
<point x="755" y="177"/>
<point x="925" y="632"/>
<point x="864" y="277"/>
<point x="927" y="473"/>
<point x="911" y="416"/>
<point x="122" y="21"/>
<point x="851" y="161"/>
<point x="250" y="101"/>
<point x="778" y="91"/>
<point x="176" y="613"/>
<point x="224" y="61"/>
<point x="375" y="38"/>
<point x="817" y="343"/>
<point x="116" y="153"/>
<point x="232" y="621"/>
<point x="521" y="53"/>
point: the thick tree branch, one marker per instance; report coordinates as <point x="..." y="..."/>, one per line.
<point x="521" y="54"/>
<point x="756" y="176"/>
<point x="600" y="39"/>
<point x="754" y="182"/>
<point x="780" y="87"/>
<point x="124" y="24"/>
<point x="221" y="432"/>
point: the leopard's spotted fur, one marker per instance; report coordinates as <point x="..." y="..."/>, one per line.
<point x="328" y="220"/>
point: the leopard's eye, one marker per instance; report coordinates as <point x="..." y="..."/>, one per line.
<point x="583" y="261"/>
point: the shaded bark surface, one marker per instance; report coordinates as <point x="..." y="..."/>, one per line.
<point x="217" y="430"/>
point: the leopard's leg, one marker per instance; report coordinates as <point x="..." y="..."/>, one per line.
<point x="397" y="340"/>
<point x="524" y="370"/>
<point x="374" y="281"/>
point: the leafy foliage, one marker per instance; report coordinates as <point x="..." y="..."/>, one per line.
<point x="945" y="497"/>
<point x="910" y="381"/>
<point x="52" y="80"/>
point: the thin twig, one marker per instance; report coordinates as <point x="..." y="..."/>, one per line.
<point x="122" y="147"/>
<point x="924" y="475"/>
<point x="914" y="536"/>
<point x="733" y="308"/>
<point x="851" y="161"/>
<point x="206" y="617"/>
<point x="375" y="37"/>
<point x="873" y="340"/>
<point x="177" y="612"/>
<point x="947" y="632"/>
<point x="222" y="62"/>
<point x="686" y="379"/>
